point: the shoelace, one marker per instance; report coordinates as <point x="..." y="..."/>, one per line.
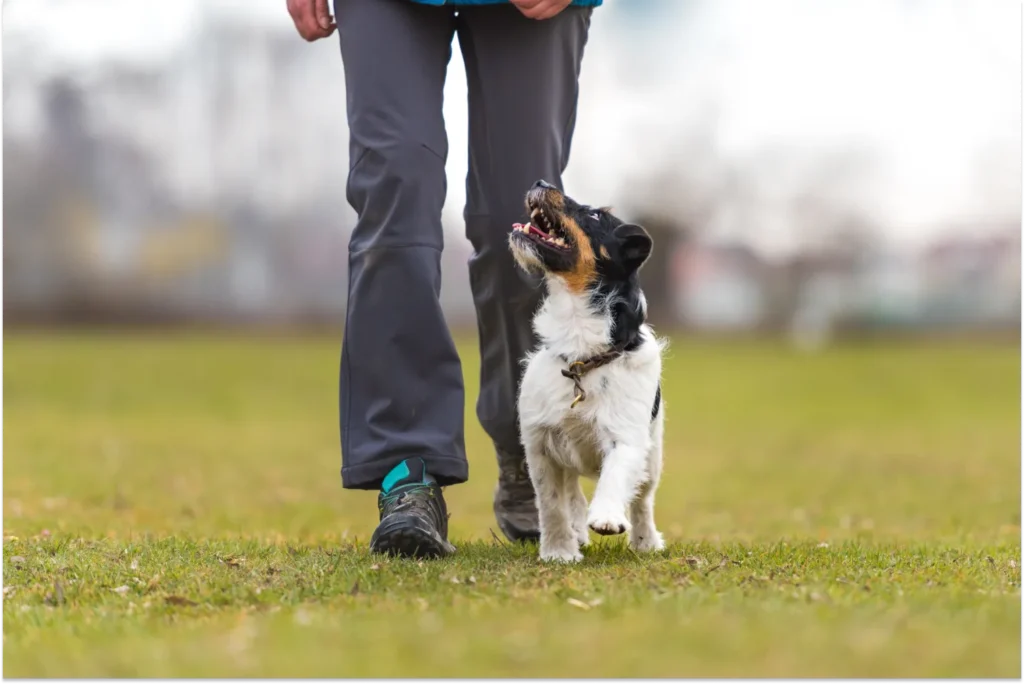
<point x="399" y="493"/>
<point x="432" y="502"/>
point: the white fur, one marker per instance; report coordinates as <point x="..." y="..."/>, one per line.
<point x="525" y="255"/>
<point x="609" y="436"/>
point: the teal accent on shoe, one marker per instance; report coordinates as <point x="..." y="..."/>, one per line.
<point x="397" y="474"/>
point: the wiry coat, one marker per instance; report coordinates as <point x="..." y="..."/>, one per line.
<point x="615" y="434"/>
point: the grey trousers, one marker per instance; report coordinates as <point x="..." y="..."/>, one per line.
<point x="401" y="392"/>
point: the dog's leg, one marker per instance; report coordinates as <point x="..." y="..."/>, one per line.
<point x="577" y="508"/>
<point x="558" y="540"/>
<point x="621" y="474"/>
<point x="645" y="536"/>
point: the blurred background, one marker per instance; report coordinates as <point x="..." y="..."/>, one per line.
<point x="807" y="168"/>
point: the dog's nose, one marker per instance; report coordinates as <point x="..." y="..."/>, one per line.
<point x="543" y="185"/>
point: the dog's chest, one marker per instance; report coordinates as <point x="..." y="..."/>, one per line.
<point x="546" y="395"/>
<point x="575" y="445"/>
<point x="573" y="433"/>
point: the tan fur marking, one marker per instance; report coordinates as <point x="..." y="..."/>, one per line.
<point x="604" y="253"/>
<point x="584" y="271"/>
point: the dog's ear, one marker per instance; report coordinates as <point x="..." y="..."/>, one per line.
<point x="634" y="245"/>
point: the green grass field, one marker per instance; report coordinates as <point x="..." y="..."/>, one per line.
<point x="172" y="507"/>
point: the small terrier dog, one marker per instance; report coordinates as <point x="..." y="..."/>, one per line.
<point x="590" y="399"/>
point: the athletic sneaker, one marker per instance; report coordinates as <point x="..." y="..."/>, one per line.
<point x="413" y="515"/>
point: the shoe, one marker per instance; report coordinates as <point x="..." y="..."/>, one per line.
<point x="413" y="515"/>
<point x="515" y="503"/>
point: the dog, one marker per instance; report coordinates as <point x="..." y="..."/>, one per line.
<point x="590" y="398"/>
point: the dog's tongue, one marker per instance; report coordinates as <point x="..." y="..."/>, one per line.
<point x="529" y="228"/>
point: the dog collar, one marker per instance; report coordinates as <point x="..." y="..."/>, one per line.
<point x="577" y="369"/>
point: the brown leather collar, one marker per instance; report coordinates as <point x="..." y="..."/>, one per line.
<point x="577" y="369"/>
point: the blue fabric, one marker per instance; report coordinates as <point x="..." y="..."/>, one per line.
<point x="578" y="3"/>
<point x="397" y="474"/>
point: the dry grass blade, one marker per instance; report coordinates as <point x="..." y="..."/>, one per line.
<point x="500" y="541"/>
<point x="576" y="603"/>
<point x="179" y="601"/>
<point x="721" y="564"/>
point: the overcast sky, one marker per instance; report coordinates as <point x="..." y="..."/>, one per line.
<point x="930" y="85"/>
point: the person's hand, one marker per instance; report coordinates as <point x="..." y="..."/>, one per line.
<point x="540" y="9"/>
<point x="312" y="18"/>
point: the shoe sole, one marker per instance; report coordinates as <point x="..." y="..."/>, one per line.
<point x="410" y="537"/>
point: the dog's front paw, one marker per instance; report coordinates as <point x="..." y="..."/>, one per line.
<point x="646" y="541"/>
<point x="604" y="520"/>
<point x="560" y="555"/>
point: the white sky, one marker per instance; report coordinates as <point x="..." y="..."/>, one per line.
<point x="929" y="85"/>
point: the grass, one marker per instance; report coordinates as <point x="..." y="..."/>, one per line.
<point x="172" y="507"/>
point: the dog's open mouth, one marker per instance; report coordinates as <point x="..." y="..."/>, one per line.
<point x="543" y="231"/>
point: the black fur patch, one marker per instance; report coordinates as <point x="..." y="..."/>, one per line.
<point x="657" y="403"/>
<point x="626" y="310"/>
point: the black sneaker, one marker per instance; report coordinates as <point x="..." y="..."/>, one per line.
<point x="515" y="503"/>
<point x="413" y="515"/>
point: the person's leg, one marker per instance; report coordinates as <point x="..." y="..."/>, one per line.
<point x="401" y="391"/>
<point x="522" y="77"/>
